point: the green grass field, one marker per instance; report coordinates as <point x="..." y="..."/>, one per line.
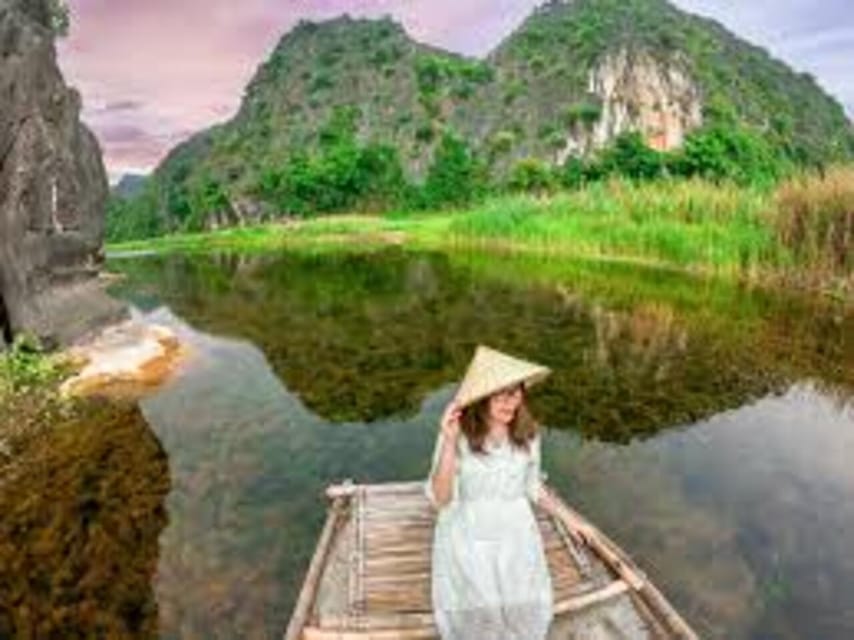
<point x="800" y="231"/>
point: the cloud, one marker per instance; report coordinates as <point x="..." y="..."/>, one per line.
<point x="162" y="68"/>
<point x="814" y="37"/>
<point x="123" y="133"/>
<point x="121" y="105"/>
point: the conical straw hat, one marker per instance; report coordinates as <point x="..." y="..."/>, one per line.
<point x="491" y="370"/>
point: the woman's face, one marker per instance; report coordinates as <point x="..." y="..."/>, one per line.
<point x="504" y="403"/>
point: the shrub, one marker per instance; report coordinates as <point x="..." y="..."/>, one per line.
<point x="502" y="142"/>
<point x="341" y="126"/>
<point x="383" y="56"/>
<point x="629" y="156"/>
<point x="342" y="177"/>
<point x="26" y="365"/>
<point x="321" y="80"/>
<point x="727" y="152"/>
<point x="538" y="64"/>
<point x="431" y="104"/>
<point x="207" y="195"/>
<point x="428" y="73"/>
<point x="556" y="140"/>
<point x="585" y="113"/>
<point x="573" y="173"/>
<point x="462" y="91"/>
<point x="513" y="91"/>
<point x="532" y="175"/>
<point x="342" y="174"/>
<point x="425" y="133"/>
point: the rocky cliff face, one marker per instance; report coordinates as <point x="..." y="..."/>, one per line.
<point x="53" y="189"/>
<point x="639" y="92"/>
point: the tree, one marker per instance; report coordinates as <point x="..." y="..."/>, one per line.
<point x="429" y="73"/>
<point x="728" y="153"/>
<point x="573" y="174"/>
<point x="629" y="156"/>
<point x="585" y="113"/>
<point x="380" y="176"/>
<point x="456" y="176"/>
<point x="207" y="196"/>
<point x="134" y="218"/>
<point x="341" y="174"/>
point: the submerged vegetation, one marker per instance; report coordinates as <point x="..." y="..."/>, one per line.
<point x="83" y="508"/>
<point x="82" y="487"/>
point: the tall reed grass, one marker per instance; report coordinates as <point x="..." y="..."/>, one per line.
<point x="801" y="231"/>
<point x="815" y="221"/>
<point x="686" y="222"/>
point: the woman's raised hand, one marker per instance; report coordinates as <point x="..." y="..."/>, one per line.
<point x="450" y="424"/>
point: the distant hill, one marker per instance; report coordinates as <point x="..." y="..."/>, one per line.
<point x="572" y="77"/>
<point x="129" y="185"/>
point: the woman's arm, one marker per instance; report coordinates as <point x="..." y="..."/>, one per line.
<point x="536" y="490"/>
<point x="546" y="500"/>
<point x="443" y="474"/>
<point x="441" y="485"/>
<point x="533" y="478"/>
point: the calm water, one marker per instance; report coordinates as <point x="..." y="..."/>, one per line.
<point x="709" y="429"/>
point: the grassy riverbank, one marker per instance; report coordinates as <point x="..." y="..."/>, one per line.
<point x="800" y="233"/>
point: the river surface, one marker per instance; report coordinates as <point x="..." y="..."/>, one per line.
<point x="709" y="428"/>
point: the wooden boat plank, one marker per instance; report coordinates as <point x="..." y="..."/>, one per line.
<point x="421" y="624"/>
<point x="378" y="556"/>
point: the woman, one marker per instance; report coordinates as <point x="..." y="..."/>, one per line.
<point x="490" y="580"/>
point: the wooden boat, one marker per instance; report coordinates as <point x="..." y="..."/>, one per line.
<point x="369" y="578"/>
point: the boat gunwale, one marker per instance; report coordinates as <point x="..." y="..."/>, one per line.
<point x="308" y="592"/>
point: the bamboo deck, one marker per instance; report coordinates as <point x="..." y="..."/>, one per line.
<point x="369" y="578"/>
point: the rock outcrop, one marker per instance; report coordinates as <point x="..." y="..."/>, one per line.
<point x="126" y="360"/>
<point x="53" y="189"/>
<point x="639" y="92"/>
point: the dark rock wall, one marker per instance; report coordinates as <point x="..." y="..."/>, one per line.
<point x="53" y="188"/>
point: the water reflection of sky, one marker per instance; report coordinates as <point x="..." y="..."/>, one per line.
<point x="744" y="518"/>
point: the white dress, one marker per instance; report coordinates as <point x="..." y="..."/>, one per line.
<point x="490" y="579"/>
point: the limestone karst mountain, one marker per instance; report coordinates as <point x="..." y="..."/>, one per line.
<point x="572" y="77"/>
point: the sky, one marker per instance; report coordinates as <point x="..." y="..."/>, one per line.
<point x="152" y="72"/>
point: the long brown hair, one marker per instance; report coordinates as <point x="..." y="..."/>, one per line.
<point x="521" y="430"/>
